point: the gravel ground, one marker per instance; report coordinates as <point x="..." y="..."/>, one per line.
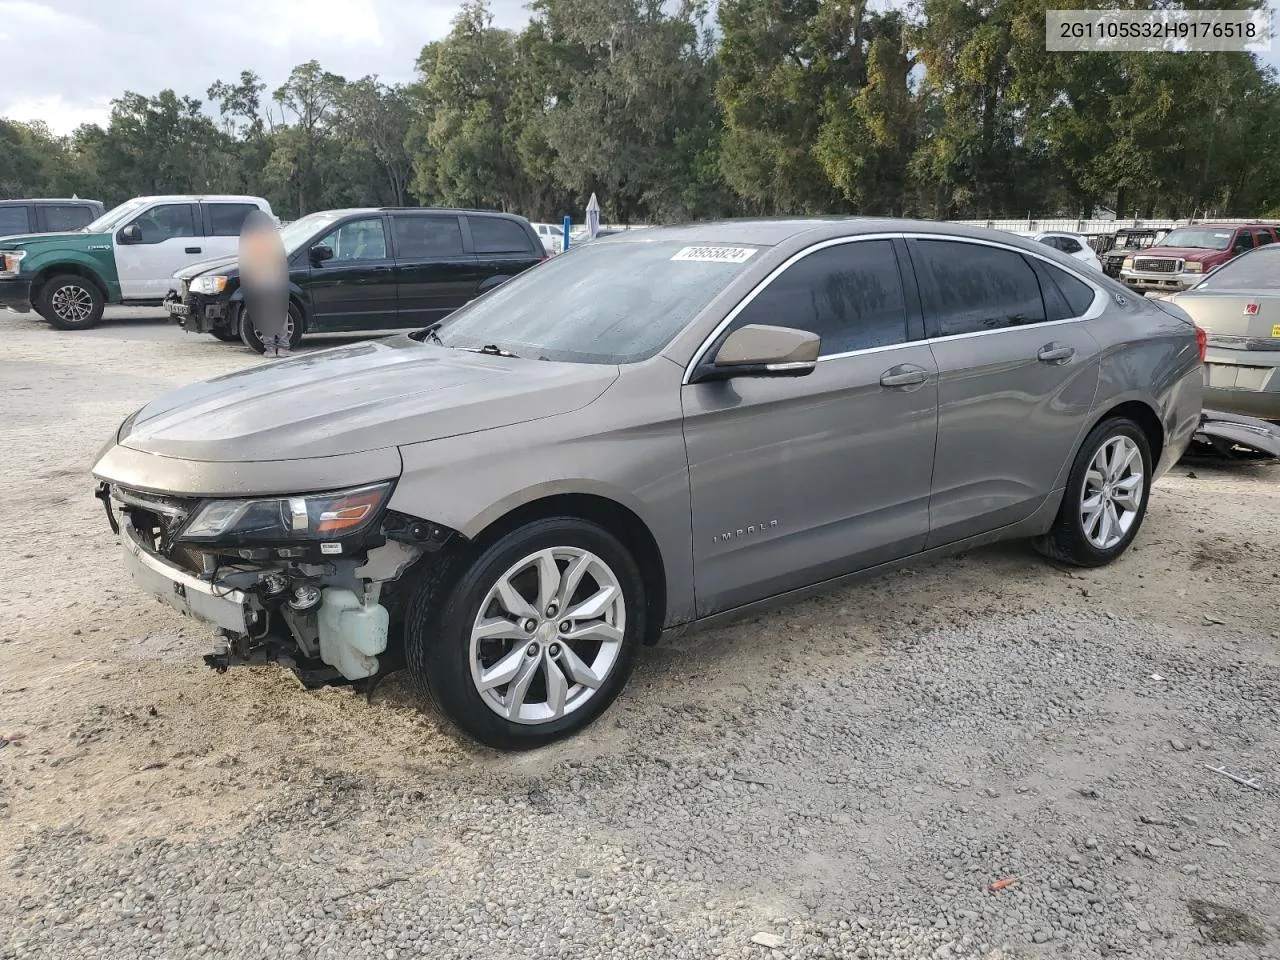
<point x="845" y="778"/>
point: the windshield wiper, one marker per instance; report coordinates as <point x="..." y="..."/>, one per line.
<point x="429" y="332"/>
<point x="493" y="350"/>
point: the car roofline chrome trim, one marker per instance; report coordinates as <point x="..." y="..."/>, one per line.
<point x="1096" y="309"/>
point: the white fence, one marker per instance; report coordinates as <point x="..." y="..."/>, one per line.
<point x="1095" y="227"/>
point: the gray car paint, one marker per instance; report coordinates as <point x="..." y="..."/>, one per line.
<point x="493" y="434"/>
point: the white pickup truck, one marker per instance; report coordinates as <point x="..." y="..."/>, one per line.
<point x="128" y="255"/>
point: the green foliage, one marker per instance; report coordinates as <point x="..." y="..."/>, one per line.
<point x="949" y="108"/>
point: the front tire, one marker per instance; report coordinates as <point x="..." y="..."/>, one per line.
<point x="253" y="340"/>
<point x="533" y="638"/>
<point x="1106" y="497"/>
<point x="70" y="302"/>
<point x="227" y="334"/>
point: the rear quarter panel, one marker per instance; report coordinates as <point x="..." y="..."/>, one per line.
<point x="1150" y="356"/>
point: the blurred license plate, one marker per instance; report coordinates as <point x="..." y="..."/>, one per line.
<point x="1232" y="376"/>
<point x="181" y="309"/>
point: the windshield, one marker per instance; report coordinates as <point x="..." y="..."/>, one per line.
<point x="606" y="302"/>
<point x="1198" y="237"/>
<point x="115" y="216"/>
<point x="1257" y="270"/>
<point x="297" y="233"/>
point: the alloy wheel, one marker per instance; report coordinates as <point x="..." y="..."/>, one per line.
<point x="1111" y="497"/>
<point x="72" y="303"/>
<point x="547" y="635"/>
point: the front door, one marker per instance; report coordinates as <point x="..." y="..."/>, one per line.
<point x="171" y="239"/>
<point x="356" y="288"/>
<point x="434" y="275"/>
<point x="798" y="480"/>
<point x="1017" y="375"/>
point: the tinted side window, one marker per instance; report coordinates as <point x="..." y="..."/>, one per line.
<point x="64" y="216"/>
<point x="969" y="287"/>
<point x="1068" y="245"/>
<point x="849" y="294"/>
<point x="1264" y="237"/>
<point x="13" y="220"/>
<point x="1243" y="241"/>
<point x="226" y="219"/>
<point x="496" y="235"/>
<point x="358" y="240"/>
<point x="1077" y="293"/>
<point x="419" y="238"/>
<point x="167" y="221"/>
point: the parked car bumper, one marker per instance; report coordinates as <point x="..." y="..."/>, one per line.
<point x="16" y="294"/>
<point x="1162" y="282"/>
<point x="197" y="314"/>
<point x="1245" y="382"/>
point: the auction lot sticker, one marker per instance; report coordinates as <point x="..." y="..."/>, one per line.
<point x="716" y="254"/>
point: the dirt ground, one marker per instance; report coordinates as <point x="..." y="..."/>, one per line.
<point x="127" y="736"/>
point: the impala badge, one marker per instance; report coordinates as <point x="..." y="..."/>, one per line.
<point x="747" y="531"/>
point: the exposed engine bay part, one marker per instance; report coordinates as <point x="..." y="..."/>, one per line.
<point x="353" y="631"/>
<point x="1231" y="436"/>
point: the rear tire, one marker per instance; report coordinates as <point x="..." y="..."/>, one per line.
<point x="70" y="302"/>
<point x="1106" y="497"/>
<point x="520" y="678"/>
<point x="249" y="336"/>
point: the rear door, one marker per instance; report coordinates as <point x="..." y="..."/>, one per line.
<point x="356" y="288"/>
<point x="171" y="239"/>
<point x="435" y="274"/>
<point x="222" y="222"/>
<point x="63" y="217"/>
<point x="1017" y="374"/>
<point x="503" y="248"/>
<point x="14" y="220"/>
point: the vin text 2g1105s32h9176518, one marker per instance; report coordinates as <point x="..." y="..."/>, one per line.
<point x="521" y="495"/>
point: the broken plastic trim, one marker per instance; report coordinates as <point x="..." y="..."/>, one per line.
<point x="1232" y="436"/>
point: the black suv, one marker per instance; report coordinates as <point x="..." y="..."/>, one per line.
<point x="47" y="216"/>
<point x="371" y="269"/>
<point x="1126" y="241"/>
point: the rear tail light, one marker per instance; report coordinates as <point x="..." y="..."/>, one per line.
<point x="1202" y="341"/>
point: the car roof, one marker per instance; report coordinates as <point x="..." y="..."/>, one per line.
<point x="13" y="203"/>
<point x="771" y="232"/>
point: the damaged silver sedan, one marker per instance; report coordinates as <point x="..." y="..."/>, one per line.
<point x="665" y="428"/>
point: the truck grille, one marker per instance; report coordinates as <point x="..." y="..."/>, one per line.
<point x="1157" y="265"/>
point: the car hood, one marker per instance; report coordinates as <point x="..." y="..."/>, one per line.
<point x="224" y="265"/>
<point x="355" y="398"/>
<point x="1186" y="253"/>
<point x="27" y="240"/>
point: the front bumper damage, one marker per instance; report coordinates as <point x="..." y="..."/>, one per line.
<point x="328" y="619"/>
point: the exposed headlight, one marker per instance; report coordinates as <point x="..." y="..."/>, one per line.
<point x="1192" y="266"/>
<point x="208" y="284"/>
<point x="11" y="262"/>
<point x="316" y="516"/>
<point x="1128" y="264"/>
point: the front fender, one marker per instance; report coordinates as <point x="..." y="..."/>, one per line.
<point x="43" y="267"/>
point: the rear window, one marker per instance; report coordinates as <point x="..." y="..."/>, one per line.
<point x="1257" y="270"/>
<point x="226" y="219"/>
<point x="498" y="235"/>
<point x="13" y="220"/>
<point x="608" y="302"/>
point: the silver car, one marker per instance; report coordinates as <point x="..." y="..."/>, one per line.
<point x="1238" y="307"/>
<point x="673" y="427"/>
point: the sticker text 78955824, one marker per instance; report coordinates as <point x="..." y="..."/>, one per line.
<point x="715" y="254"/>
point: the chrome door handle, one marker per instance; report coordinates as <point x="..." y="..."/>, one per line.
<point x="1055" y="353"/>
<point x="904" y="375"/>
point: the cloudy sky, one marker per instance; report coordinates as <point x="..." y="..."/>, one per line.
<point x="64" y="60"/>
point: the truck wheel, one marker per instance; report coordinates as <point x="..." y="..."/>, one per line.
<point x="533" y="638"/>
<point x="249" y="334"/>
<point x="70" y="302"/>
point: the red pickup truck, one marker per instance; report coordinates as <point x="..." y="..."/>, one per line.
<point x="1187" y="253"/>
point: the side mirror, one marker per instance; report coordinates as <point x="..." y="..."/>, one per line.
<point x="320" y="253"/>
<point x="131" y="234"/>
<point x="757" y="350"/>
